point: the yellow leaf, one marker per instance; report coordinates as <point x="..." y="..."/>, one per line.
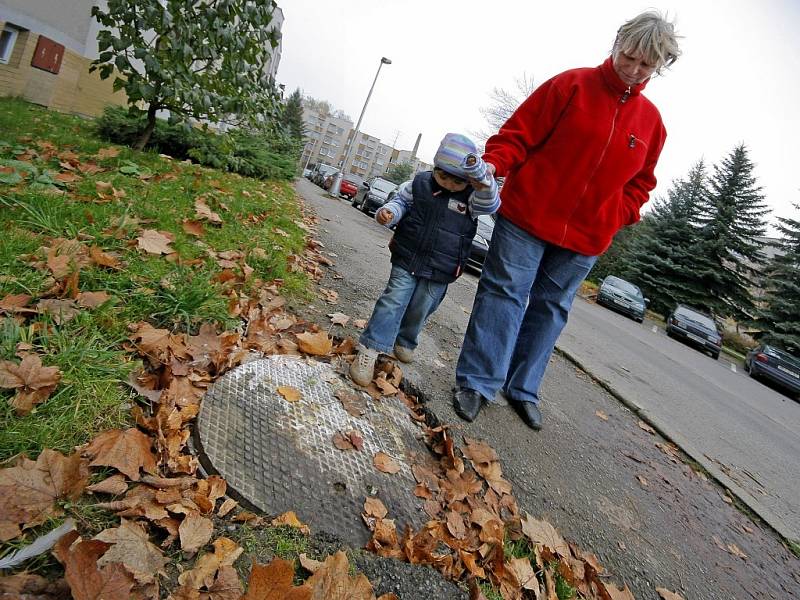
<point x="289" y="393"/>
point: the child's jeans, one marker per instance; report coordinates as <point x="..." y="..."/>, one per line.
<point x="401" y="311"/>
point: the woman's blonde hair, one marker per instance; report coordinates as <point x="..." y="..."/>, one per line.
<point x="650" y="35"/>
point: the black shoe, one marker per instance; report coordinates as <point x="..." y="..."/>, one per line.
<point x="467" y="403"/>
<point x="529" y="413"/>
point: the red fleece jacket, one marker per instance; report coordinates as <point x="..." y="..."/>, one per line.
<point x="578" y="156"/>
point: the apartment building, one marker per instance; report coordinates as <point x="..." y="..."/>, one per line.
<point x="328" y="136"/>
<point x="46" y="49"/>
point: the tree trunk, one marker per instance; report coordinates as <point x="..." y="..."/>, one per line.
<point x="148" y="130"/>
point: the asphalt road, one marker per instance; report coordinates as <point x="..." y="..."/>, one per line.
<point x="605" y="483"/>
<point x="746" y="434"/>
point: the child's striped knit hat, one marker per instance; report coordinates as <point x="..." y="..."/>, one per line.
<point x="453" y="153"/>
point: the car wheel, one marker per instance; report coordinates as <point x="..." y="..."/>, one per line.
<point x="354" y="203"/>
<point x="715" y="355"/>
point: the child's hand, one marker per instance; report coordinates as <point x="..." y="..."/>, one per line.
<point x="477" y="185"/>
<point x="384" y="216"/>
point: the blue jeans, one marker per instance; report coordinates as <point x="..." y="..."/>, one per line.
<point x="401" y="311"/>
<point x="523" y="299"/>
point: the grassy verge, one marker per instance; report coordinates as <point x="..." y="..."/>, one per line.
<point x="63" y="192"/>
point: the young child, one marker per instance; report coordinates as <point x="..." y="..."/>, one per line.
<point x="436" y="216"/>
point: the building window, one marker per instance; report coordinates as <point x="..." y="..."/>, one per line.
<point x="8" y="38"/>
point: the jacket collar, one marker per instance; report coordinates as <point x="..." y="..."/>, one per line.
<point x="615" y="83"/>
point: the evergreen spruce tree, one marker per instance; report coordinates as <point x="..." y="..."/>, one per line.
<point x="728" y="252"/>
<point x="615" y="260"/>
<point x="292" y="116"/>
<point x="662" y="260"/>
<point x="780" y="318"/>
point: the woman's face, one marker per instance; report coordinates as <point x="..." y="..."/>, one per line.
<point x="632" y="68"/>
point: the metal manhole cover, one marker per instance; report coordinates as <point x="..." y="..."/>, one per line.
<point x="280" y="455"/>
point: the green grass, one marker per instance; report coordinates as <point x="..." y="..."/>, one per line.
<point x="794" y="547"/>
<point x="176" y="294"/>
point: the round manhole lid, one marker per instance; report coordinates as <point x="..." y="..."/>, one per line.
<point x="280" y="455"/>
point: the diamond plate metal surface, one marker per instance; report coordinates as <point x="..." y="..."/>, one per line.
<point x="280" y="455"/>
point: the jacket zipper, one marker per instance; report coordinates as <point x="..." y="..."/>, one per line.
<point x="623" y="99"/>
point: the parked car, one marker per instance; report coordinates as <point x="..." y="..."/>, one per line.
<point x="307" y="173"/>
<point x="622" y="296"/>
<point x="777" y="366"/>
<point x="480" y="243"/>
<point x="348" y="187"/>
<point x="373" y="194"/>
<point x="321" y="173"/>
<point x="695" y="328"/>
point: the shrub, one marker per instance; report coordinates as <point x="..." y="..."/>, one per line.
<point x="258" y="154"/>
<point x="740" y="342"/>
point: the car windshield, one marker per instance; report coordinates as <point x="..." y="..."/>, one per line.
<point x="784" y="356"/>
<point x="699" y="318"/>
<point x="382" y="185"/>
<point x="623" y="285"/>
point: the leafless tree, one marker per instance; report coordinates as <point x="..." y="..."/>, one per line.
<point x="502" y="104"/>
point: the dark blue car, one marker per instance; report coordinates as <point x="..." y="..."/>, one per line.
<point x="777" y="366"/>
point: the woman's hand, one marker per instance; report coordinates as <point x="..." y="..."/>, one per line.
<point x="384" y="216"/>
<point x="477" y="185"/>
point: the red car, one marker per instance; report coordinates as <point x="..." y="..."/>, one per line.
<point x="347" y="189"/>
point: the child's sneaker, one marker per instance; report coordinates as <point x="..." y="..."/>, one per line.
<point x="363" y="367"/>
<point x="405" y="355"/>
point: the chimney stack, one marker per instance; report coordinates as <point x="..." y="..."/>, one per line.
<point x="416" y="147"/>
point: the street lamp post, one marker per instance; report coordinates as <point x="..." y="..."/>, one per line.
<point x="337" y="181"/>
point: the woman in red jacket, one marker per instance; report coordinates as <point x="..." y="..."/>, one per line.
<point x="578" y="156"/>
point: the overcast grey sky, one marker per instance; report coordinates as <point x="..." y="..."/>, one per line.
<point x="738" y="79"/>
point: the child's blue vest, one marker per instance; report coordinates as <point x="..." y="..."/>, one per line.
<point x="436" y="233"/>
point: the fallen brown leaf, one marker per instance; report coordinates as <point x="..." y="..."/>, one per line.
<point x="601" y="414"/>
<point x="645" y="427"/>
<point x="132" y="548"/>
<point x="373" y="507"/>
<point x="92" y="299"/>
<point x="290" y="519"/>
<point x="126" y="450"/>
<point x="225" y="553"/>
<point x="354" y="404"/>
<point x="736" y="551"/>
<point x="618" y="594"/>
<point x="227" y="506"/>
<point x="195" y="532"/>
<point x="114" y="485"/>
<point x="289" y="393"/>
<point x="33" y="382"/>
<point x="194" y="228"/>
<point x="85" y="579"/>
<point x="385" y="463"/>
<point x="203" y="211"/>
<point x="275" y="581"/>
<point x="155" y="242"/>
<point x="338" y="318"/>
<point x="542" y="532"/>
<point x="102" y="259"/>
<point x="332" y="581"/>
<point x="318" y="344"/>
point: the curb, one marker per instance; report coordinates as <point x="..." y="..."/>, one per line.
<point x="766" y="516"/>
